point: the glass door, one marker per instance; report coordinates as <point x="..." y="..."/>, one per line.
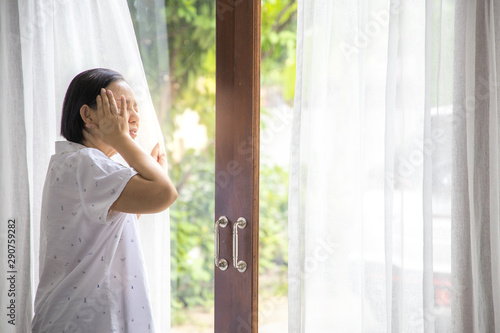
<point x="178" y="40"/>
<point x="177" y="43"/>
<point x="279" y="34"/>
<point x="215" y="154"/>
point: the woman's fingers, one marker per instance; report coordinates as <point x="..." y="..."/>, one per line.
<point x="159" y="157"/>
<point x="113" y="108"/>
<point x="123" y="105"/>
<point x="111" y="121"/>
<point x="98" y="100"/>
<point x="162" y="160"/>
<point x="156" y="151"/>
<point x="100" y="111"/>
<point x="105" y="102"/>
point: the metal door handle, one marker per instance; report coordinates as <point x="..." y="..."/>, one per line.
<point x="221" y="263"/>
<point x="241" y="266"/>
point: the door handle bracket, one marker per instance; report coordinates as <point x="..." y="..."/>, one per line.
<point x="219" y="262"/>
<point x="240" y="265"/>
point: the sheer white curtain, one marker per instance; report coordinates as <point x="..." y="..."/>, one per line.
<point x="394" y="182"/>
<point x="476" y="192"/>
<point x="44" y="44"/>
<point x="15" y="202"/>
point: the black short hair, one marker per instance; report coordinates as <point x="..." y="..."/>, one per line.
<point x="82" y="90"/>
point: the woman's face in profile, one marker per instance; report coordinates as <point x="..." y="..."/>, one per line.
<point x="120" y="88"/>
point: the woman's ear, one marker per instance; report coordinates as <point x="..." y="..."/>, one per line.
<point x="86" y="114"/>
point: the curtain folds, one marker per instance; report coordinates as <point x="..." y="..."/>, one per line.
<point x="394" y="183"/>
<point x="475" y="267"/>
<point x="44" y="44"/>
<point x="16" y="292"/>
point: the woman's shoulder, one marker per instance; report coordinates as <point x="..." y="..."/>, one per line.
<point x="94" y="158"/>
<point x="84" y="159"/>
<point x="88" y="153"/>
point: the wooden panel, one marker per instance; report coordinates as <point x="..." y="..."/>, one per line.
<point x="237" y="159"/>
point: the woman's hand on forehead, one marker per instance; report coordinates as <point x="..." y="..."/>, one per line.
<point x="112" y="120"/>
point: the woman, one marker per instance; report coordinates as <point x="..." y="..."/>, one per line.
<point x="92" y="275"/>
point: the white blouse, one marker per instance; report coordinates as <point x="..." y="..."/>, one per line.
<point x="92" y="276"/>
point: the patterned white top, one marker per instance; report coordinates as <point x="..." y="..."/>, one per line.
<point x="92" y="276"/>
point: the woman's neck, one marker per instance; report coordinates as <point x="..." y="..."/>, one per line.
<point x="93" y="142"/>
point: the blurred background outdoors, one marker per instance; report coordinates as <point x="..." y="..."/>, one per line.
<point x="179" y="61"/>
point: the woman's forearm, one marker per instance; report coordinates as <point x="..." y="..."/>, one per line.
<point x="144" y="164"/>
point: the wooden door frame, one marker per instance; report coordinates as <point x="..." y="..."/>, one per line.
<point x="238" y="26"/>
